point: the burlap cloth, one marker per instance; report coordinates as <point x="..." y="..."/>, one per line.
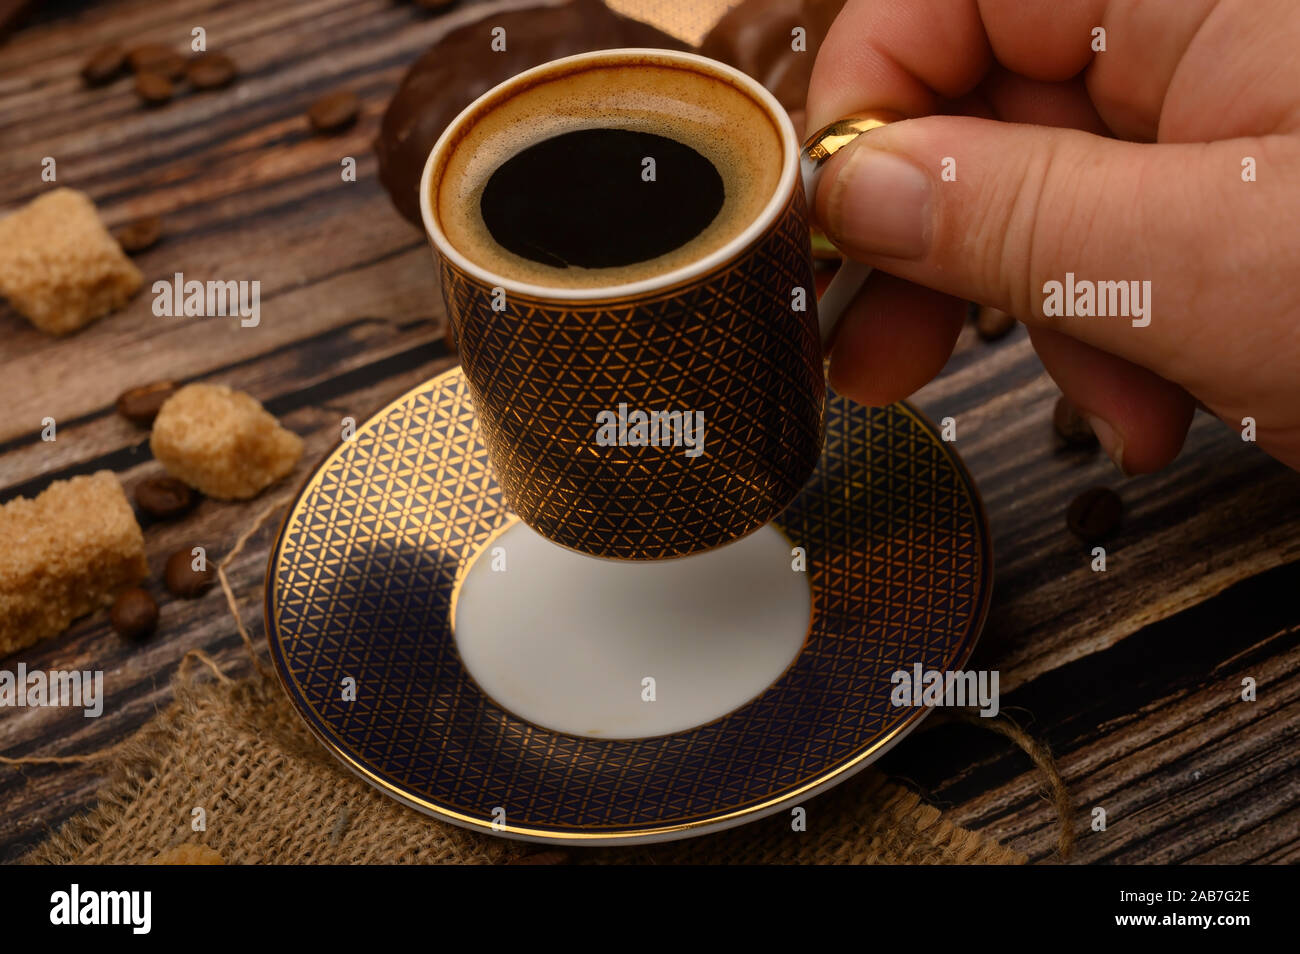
<point x="273" y="795"/>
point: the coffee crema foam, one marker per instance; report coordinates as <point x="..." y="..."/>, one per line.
<point x="706" y="113"/>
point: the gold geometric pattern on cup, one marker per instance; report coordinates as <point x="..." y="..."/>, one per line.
<point x="727" y="345"/>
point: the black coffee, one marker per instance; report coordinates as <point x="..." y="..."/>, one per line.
<point x="591" y="199"/>
<point x="549" y="186"/>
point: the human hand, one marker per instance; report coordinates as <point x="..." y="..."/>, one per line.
<point x="1122" y="165"/>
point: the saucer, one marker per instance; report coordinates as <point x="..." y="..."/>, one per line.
<point x="584" y="701"/>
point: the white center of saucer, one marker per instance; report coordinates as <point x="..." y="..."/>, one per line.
<point x="571" y="642"/>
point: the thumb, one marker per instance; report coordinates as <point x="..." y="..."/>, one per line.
<point x="993" y="211"/>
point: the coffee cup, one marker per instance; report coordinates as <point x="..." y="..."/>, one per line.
<point x="623" y="243"/>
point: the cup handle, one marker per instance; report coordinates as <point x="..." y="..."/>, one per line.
<point x="820" y="146"/>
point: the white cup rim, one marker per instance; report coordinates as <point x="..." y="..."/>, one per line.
<point x="686" y="273"/>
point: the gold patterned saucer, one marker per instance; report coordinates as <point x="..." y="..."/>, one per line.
<point x="359" y="610"/>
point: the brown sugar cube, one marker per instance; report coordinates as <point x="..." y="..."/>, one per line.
<point x="188" y="855"/>
<point x="59" y="266"/>
<point x="64" y="553"/>
<point x="222" y="442"/>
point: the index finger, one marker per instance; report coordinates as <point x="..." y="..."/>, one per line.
<point x="904" y="55"/>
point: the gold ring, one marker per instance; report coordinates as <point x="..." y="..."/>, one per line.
<point x="830" y="139"/>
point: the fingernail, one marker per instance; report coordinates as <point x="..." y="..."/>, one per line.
<point x="879" y="204"/>
<point x="1110" y="441"/>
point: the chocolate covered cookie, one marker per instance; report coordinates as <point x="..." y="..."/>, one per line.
<point x="757" y="38"/>
<point x="462" y="66"/>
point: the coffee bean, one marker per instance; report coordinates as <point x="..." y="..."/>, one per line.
<point x="334" y="111"/>
<point x="157" y="59"/>
<point x="434" y="4"/>
<point x="181" y="577"/>
<point x="142" y="56"/>
<point x="139" y="235"/>
<point x="1095" y="514"/>
<point x="211" y="71"/>
<point x="134" y="614"/>
<point x="993" y="324"/>
<point x="164" y="498"/>
<point x="449" y="338"/>
<point x="105" y="65"/>
<point x="153" y="89"/>
<point x="556" y="856"/>
<point x="141" y="404"/>
<point x="1071" y="425"/>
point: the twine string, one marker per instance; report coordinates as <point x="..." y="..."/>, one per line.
<point x="229" y="591"/>
<point x="64" y="759"/>
<point x="198" y="655"/>
<point x="1042" y="757"/>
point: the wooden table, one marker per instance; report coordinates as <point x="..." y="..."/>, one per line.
<point x="1133" y="676"/>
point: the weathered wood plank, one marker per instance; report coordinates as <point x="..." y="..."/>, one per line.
<point x="1153" y="730"/>
<point x="137" y="677"/>
<point x="273" y="378"/>
<point x="1220" y="513"/>
<point x="246" y="192"/>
